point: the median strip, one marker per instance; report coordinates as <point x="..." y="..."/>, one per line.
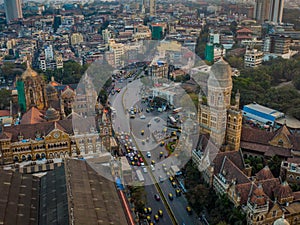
<point x="170" y="212"/>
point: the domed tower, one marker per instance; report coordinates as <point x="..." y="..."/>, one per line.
<point x="52" y="114"/>
<point x="281" y="221"/>
<point x="213" y="113"/>
<point x="257" y="204"/>
<point x="31" y="90"/>
<point x="219" y="85"/>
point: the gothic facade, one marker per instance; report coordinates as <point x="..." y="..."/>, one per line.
<point x="217" y="116"/>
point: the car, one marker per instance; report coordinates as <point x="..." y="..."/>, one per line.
<point x="145" y="170"/>
<point x="156" y="196"/>
<point x="178" y="192"/>
<point x="152" y="167"/>
<point x="146" y="210"/>
<point x="142" y="117"/>
<point x="162" y="144"/>
<point x="156" y="217"/>
<point x="152" y="162"/>
<point x="148" y="218"/>
<point x="161" y="179"/>
<point x="149" y="124"/>
<point x="132" y="116"/>
<point x="171" y="178"/>
<point x="147" y="110"/>
<point x="142" y="132"/>
<point x="149" y="210"/>
<point x="170" y="195"/>
<point x="160" y="212"/>
<point x="174" y="184"/>
<point x="148" y="154"/>
<point x="157" y="119"/>
<point x="189" y="210"/>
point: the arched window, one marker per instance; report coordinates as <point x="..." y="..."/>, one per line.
<point x="31" y="96"/>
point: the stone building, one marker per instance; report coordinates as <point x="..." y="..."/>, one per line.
<point x="217" y="116"/>
<point x="31" y="90"/>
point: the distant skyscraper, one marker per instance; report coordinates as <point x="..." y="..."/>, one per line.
<point x="152" y="6"/>
<point x="262" y="10"/>
<point x="270" y="10"/>
<point x="13" y="9"/>
<point x="276" y="11"/>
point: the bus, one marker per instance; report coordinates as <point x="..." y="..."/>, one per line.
<point x="140" y="176"/>
<point x="172" y="120"/>
<point x="177" y="110"/>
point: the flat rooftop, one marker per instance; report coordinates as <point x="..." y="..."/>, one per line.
<point x="264" y="109"/>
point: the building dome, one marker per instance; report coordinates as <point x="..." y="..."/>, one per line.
<point x="281" y="221"/>
<point x="220" y="74"/>
<point x="52" y="114"/>
<point x="50" y="89"/>
<point x="29" y="72"/>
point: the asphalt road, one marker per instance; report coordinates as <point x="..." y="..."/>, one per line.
<point x="127" y="98"/>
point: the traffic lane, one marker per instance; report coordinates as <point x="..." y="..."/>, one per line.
<point x="178" y="205"/>
<point x="157" y="205"/>
<point x="121" y="121"/>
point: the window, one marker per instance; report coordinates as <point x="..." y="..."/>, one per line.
<point x="274" y="213"/>
<point x="280" y="142"/>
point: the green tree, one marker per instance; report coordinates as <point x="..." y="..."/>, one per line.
<point x="274" y="164"/>
<point x="5" y="96"/>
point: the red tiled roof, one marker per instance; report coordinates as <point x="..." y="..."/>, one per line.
<point x="258" y="196"/>
<point x="264" y="174"/>
<point x="269" y="185"/>
<point x="244" y="37"/>
<point x="297" y="195"/>
<point x="231" y="172"/>
<point x="32" y="116"/>
<point x="4" y="113"/>
<point x="243" y="191"/>
<point x="28" y="131"/>
<point x="244" y="30"/>
<point x="283" y="191"/>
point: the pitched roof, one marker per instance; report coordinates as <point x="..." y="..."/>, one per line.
<point x="234" y="156"/>
<point x="269" y="186"/>
<point x="253" y="135"/>
<point x="95" y="198"/>
<point x="243" y="191"/>
<point x="244" y="30"/>
<point x="32" y="116"/>
<point x="258" y="196"/>
<point x="29" y="131"/>
<point x="19" y="198"/>
<point x="231" y="172"/>
<point x="264" y="174"/>
<point x="4" y="113"/>
<point x="283" y="191"/>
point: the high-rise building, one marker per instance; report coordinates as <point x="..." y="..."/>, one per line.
<point x="262" y="10"/>
<point x="152" y="7"/>
<point x="276" y="11"/>
<point x="270" y="10"/>
<point x="13" y="10"/>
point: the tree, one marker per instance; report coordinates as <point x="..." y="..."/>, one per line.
<point x="236" y="62"/>
<point x="274" y="164"/>
<point x="5" y="96"/>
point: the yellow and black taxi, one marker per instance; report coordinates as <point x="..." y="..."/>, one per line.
<point x="160" y="212"/>
<point x="189" y="210"/>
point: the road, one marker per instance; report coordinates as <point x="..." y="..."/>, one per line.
<point x="127" y="98"/>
